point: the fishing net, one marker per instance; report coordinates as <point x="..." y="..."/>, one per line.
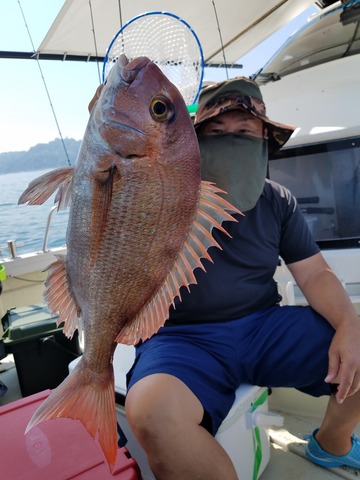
<point x="169" y="42"/>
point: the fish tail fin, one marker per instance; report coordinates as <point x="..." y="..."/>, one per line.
<point x="87" y="397"/>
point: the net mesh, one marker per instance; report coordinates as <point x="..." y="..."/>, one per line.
<point x="169" y="43"/>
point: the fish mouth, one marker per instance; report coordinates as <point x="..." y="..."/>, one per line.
<point x="130" y="70"/>
<point x="122" y="132"/>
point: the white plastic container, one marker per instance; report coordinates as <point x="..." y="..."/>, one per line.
<point x="243" y="433"/>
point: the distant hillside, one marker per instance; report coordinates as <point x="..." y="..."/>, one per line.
<point x="40" y="157"/>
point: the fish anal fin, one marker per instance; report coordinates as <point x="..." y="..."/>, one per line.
<point x="59" y="298"/>
<point x="83" y="396"/>
<point x="40" y="189"/>
<point x="212" y="211"/>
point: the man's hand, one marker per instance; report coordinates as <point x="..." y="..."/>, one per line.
<point x="344" y="360"/>
<point x="327" y="296"/>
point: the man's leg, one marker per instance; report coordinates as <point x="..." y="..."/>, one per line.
<point x="165" y="417"/>
<point x="340" y="421"/>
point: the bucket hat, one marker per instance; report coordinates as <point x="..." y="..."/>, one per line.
<point x="244" y="94"/>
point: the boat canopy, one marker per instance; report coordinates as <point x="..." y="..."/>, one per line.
<point x="83" y="29"/>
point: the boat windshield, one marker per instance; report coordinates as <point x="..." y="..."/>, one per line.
<point x="329" y="36"/>
<point x="325" y="179"/>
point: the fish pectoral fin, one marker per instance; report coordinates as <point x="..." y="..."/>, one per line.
<point x="211" y="212"/>
<point x="40" y="189"/>
<point x="88" y="397"/>
<point x="59" y="298"/>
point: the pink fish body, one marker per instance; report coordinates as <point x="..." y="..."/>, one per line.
<point x="140" y="221"/>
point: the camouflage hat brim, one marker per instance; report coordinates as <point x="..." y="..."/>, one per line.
<point x="243" y="94"/>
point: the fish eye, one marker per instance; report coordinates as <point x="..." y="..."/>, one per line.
<point x="160" y="109"/>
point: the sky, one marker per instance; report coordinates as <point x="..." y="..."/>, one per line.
<point x="26" y="113"/>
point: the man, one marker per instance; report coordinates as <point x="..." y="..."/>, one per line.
<point x="230" y="328"/>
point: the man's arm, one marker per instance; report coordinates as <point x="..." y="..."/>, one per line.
<point x="326" y="295"/>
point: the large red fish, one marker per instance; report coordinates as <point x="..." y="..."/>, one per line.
<point x="140" y="220"/>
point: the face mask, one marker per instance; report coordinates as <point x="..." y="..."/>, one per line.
<point x="237" y="164"/>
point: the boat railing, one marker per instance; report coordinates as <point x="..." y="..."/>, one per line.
<point x="47" y="229"/>
<point x="11" y="248"/>
<point x="11" y="245"/>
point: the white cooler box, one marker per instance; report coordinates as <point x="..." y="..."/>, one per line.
<point x="242" y="434"/>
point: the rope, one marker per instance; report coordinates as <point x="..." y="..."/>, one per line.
<point x="27" y="280"/>
<point x="120" y="14"/>
<point x="46" y="89"/>
<point x="94" y="37"/>
<point x="221" y="40"/>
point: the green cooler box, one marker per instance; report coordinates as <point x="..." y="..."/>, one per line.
<point x="41" y="351"/>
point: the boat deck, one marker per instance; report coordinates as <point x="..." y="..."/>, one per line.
<point x="287" y="457"/>
<point x="288" y="460"/>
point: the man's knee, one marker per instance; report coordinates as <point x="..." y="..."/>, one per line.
<point x="141" y="409"/>
<point x="160" y="404"/>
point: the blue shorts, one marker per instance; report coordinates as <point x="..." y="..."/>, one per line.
<point x="276" y="347"/>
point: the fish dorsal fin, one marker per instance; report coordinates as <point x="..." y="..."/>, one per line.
<point x="40" y="189"/>
<point x="211" y="213"/>
<point x="59" y="299"/>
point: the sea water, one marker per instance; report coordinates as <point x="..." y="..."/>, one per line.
<point x="26" y="224"/>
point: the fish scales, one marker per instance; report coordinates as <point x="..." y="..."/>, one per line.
<point x="133" y="263"/>
<point x="140" y="221"/>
